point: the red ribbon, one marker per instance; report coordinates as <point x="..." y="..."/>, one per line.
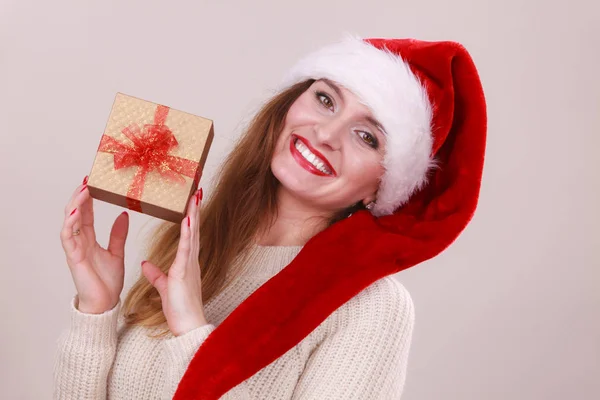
<point x="149" y="152"/>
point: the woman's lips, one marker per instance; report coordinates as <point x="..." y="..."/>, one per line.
<point x="304" y="163"/>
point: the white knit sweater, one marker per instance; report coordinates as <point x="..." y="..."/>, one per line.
<point x="359" y="352"/>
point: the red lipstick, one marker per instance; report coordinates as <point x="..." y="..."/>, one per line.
<point x="304" y="162"/>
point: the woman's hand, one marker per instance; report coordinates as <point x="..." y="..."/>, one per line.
<point x="181" y="290"/>
<point x="98" y="273"/>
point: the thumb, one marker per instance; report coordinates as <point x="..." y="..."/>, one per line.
<point x="156" y="277"/>
<point x="118" y="234"/>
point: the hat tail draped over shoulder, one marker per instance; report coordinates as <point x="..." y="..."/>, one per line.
<point x="430" y="101"/>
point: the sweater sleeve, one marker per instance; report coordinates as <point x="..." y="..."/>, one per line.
<point x="85" y="354"/>
<point x="365" y="356"/>
<point x="178" y="352"/>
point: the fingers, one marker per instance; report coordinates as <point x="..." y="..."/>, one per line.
<point x="196" y="227"/>
<point x="178" y="269"/>
<point x="70" y="204"/>
<point x="118" y="235"/>
<point x="195" y="211"/>
<point x="188" y="239"/>
<point x="81" y="200"/>
<point x="194" y="214"/>
<point x="156" y="277"/>
<point x="66" y="234"/>
<point x="87" y="208"/>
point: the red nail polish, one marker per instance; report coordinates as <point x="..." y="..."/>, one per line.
<point x="188" y="220"/>
<point x="85" y="180"/>
<point x="83" y="188"/>
<point x="143" y="262"/>
<point x="197" y="198"/>
<point x="200" y="193"/>
<point x="73" y="212"/>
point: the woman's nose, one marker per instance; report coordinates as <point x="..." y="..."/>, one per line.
<point x="329" y="133"/>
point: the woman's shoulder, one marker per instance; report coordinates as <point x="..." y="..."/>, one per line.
<point x="381" y="315"/>
<point x="385" y="297"/>
<point x="385" y="304"/>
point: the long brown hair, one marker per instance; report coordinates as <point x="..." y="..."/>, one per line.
<point x="242" y="203"/>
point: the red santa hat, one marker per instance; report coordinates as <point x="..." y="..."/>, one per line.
<point x="430" y="101"/>
<point x="396" y="97"/>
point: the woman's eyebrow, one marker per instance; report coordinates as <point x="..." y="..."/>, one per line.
<point x="376" y="123"/>
<point x="337" y="90"/>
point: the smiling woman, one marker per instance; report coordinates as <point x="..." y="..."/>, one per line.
<point x="328" y="156"/>
<point x="280" y="285"/>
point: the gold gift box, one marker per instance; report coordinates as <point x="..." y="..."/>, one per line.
<point x="150" y="158"/>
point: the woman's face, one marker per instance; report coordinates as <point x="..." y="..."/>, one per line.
<point x="330" y="150"/>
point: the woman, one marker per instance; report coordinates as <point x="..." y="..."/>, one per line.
<point x="367" y="162"/>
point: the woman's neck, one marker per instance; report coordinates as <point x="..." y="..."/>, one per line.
<point x="279" y="235"/>
<point x="295" y="224"/>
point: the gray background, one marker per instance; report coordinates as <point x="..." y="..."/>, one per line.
<point x="510" y="310"/>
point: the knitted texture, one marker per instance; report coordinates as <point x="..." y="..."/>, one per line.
<point x="359" y="352"/>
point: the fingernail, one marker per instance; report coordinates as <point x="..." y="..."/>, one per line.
<point x="85" y="180"/>
<point x="188" y="220"/>
<point x="200" y="193"/>
<point x="143" y="262"/>
<point x="197" y="198"/>
<point x="73" y="212"/>
<point x="124" y="212"/>
<point x="83" y="188"/>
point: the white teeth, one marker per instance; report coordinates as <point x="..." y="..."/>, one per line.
<point x="310" y="157"/>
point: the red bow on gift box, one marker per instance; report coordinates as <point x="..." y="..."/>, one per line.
<point x="150" y="152"/>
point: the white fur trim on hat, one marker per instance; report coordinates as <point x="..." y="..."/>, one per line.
<point x="385" y="83"/>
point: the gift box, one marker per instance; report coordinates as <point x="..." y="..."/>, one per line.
<point x="150" y="158"/>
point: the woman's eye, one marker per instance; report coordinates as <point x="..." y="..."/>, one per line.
<point x="325" y="100"/>
<point x="368" y="139"/>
